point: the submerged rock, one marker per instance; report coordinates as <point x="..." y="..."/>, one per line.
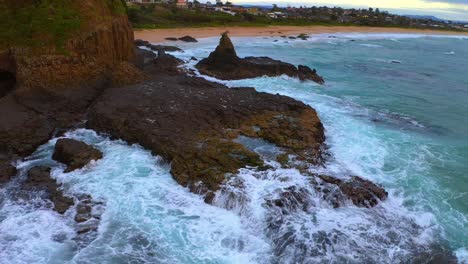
<point x="39" y="179"/>
<point x="188" y="39"/>
<point x="75" y="154"/>
<point x="223" y="63"/>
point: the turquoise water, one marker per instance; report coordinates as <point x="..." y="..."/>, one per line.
<point x="394" y="108"/>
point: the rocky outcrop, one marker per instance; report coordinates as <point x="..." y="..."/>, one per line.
<point x="39" y="179"/>
<point x="153" y="47"/>
<point x="188" y="39"/>
<point x="223" y="63"/>
<point x="306" y="73"/>
<point x="49" y="77"/>
<point x="192" y="123"/>
<point x="361" y="192"/>
<point x="75" y="154"/>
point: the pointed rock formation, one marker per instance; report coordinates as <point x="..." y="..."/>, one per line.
<point x="223" y="63"/>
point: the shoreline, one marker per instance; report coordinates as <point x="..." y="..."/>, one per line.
<point x="159" y="35"/>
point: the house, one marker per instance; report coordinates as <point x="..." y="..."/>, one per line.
<point x="142" y="1"/>
<point x="181" y="3"/>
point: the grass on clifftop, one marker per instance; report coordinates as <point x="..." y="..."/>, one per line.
<point x="45" y="23"/>
<point x="37" y="24"/>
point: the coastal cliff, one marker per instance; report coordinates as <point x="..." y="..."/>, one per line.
<point x="56" y="57"/>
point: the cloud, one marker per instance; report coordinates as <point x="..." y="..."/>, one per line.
<point x="450" y="1"/>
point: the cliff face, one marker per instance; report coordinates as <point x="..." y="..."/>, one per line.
<point x="56" y="57"/>
<point x="102" y="40"/>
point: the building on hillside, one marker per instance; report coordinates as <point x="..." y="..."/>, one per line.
<point x="142" y="1"/>
<point x="181" y="3"/>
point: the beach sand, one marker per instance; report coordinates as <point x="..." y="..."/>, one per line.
<point x="159" y="35"/>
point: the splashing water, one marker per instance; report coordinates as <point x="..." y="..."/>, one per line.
<point x="273" y="216"/>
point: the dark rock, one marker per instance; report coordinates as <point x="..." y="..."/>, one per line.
<point x="75" y="154"/>
<point x="223" y="63"/>
<point x="305" y="73"/>
<point x="171" y="39"/>
<point x="361" y="192"/>
<point x="291" y="199"/>
<point x="188" y="39"/>
<point x="193" y="58"/>
<point x="153" y="47"/>
<point x="39" y="179"/>
<point x="303" y="36"/>
<point x="166" y="64"/>
<point x="292" y="37"/>
<point x="7" y="171"/>
<point x="192" y="123"/>
<point x="144" y="57"/>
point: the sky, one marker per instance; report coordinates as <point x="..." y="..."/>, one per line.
<point x="446" y="9"/>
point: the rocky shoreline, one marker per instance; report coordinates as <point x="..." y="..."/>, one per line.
<point x="107" y="84"/>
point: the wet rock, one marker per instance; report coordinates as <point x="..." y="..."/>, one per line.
<point x="303" y="36"/>
<point x="188" y="39"/>
<point x="292" y="37"/>
<point x="223" y="63"/>
<point x="171" y="39"/>
<point x="361" y="192"/>
<point x="75" y="154"/>
<point x="305" y="73"/>
<point x="39" y="179"/>
<point x="193" y="58"/>
<point x="7" y="171"/>
<point x="291" y="199"/>
<point x="193" y="123"/>
<point x="153" y="47"/>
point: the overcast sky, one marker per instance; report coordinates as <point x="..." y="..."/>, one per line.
<point x="448" y="9"/>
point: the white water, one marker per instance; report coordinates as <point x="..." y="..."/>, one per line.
<point x="149" y="218"/>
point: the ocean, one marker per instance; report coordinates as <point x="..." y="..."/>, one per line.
<point x="395" y="111"/>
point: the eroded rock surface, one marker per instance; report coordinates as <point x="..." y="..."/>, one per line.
<point x="361" y="192"/>
<point x="75" y="154"/>
<point x="192" y="123"/>
<point x="223" y="63"/>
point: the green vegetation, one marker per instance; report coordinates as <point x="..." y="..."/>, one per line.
<point x="167" y="16"/>
<point x="37" y="24"/>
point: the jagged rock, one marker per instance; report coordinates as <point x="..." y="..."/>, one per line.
<point x="55" y="85"/>
<point x="192" y="123"/>
<point x="75" y="154"/>
<point x="291" y="199"/>
<point x="39" y="179"/>
<point x="361" y="192"/>
<point x="223" y="63"/>
<point x="188" y="39"/>
<point x="305" y="73"/>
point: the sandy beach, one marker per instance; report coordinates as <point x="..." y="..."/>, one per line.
<point x="159" y="35"/>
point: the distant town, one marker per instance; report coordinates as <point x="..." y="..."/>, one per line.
<point x="166" y="13"/>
